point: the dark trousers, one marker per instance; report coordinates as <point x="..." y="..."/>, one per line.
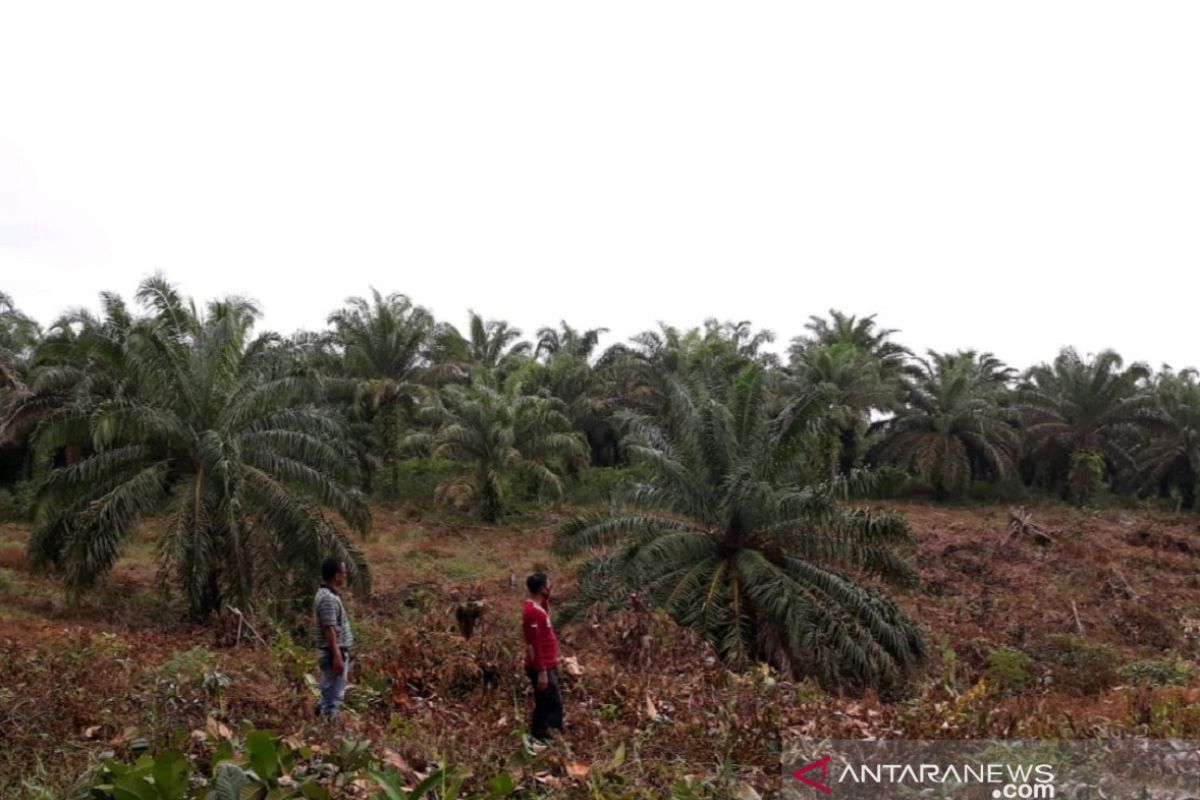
<point x="547" y="705"/>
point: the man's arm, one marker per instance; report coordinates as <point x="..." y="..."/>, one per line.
<point x="543" y="650"/>
<point x="331" y="641"/>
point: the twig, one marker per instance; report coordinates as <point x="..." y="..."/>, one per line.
<point x="243" y="621"/>
<point x="1020" y="523"/>
<point x="1078" y="624"/>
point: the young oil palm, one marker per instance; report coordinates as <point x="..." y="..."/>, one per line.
<point x="503" y="436"/>
<point x="239" y="456"/>
<point x="728" y="539"/>
<point x="1170" y="456"/>
<point x="1081" y="416"/>
<point x="953" y="427"/>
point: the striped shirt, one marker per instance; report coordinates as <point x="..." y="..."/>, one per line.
<point x="329" y="611"/>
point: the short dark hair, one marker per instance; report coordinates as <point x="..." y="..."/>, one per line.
<point x="536" y="581"/>
<point x="331" y="567"/>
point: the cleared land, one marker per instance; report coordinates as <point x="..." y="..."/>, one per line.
<point x="1095" y="633"/>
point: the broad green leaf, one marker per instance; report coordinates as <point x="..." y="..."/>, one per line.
<point x="264" y="756"/>
<point x="228" y="781"/>
<point x="171" y="770"/>
<point x="134" y="788"/>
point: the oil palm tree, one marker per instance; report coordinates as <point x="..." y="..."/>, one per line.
<point x="953" y="427"/>
<point x="489" y="352"/>
<point x="382" y="374"/>
<point x="850" y="386"/>
<point x="504" y="436"/>
<point x="565" y="339"/>
<point x="731" y="543"/>
<point x="1170" y="456"/>
<point x="861" y="333"/>
<point x="1080" y="415"/>
<point x="241" y="458"/>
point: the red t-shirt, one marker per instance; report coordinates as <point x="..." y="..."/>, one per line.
<point x="541" y="645"/>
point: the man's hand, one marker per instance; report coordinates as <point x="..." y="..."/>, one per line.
<point x="543" y="680"/>
<point x="338" y="664"/>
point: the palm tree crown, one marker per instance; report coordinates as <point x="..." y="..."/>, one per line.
<point x="953" y="427"/>
<point x="728" y="538"/>
<point x="208" y="430"/>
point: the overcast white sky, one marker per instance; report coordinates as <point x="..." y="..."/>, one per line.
<point x="1009" y="176"/>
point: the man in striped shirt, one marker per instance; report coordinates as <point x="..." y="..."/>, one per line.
<point x="334" y="638"/>
<point x="541" y="658"/>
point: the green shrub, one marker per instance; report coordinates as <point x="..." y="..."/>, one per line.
<point x="1008" y="669"/>
<point x="16" y="501"/>
<point x="266" y="766"/>
<point x="414" y="479"/>
<point x="595" y="485"/>
<point x="1079" y="665"/>
<point x="1158" y="672"/>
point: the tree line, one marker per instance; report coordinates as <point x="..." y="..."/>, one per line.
<point x="260" y="450"/>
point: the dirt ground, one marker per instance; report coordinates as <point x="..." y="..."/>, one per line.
<point x="1094" y="632"/>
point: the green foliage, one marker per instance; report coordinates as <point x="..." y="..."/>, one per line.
<point x="728" y="540"/>
<point x="1158" y="672"/>
<point x="1008" y="670"/>
<point x="1086" y="476"/>
<point x="213" y="430"/>
<point x="1091" y="405"/>
<point x="503" y="437"/>
<point x="270" y="767"/>
<point x="1079" y="665"/>
<point x="1170" y="459"/>
<point x="598" y="484"/>
<point x="954" y="428"/>
<point x="16" y="501"/>
<point x="416" y="479"/>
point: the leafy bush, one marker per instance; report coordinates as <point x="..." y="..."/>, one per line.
<point x="595" y="486"/>
<point x="1158" y="672"/>
<point x="414" y="479"/>
<point x="1079" y="665"/>
<point x="16" y="501"/>
<point x="1008" y="669"/>
<point x="269" y="767"/>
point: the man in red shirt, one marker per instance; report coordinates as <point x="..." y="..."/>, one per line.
<point x="541" y="657"/>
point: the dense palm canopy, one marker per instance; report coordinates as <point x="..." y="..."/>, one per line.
<point x="245" y="444"/>
<point x="730" y="538"/>
<point x="861" y="334"/>
<point x="490" y="350"/>
<point x="954" y="427"/>
<point x="1170" y="458"/>
<point x="197" y="422"/>
<point x="1075" y="405"/>
<point x="849" y="385"/>
<point x="503" y="436"/>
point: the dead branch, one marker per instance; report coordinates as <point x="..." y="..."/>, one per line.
<point x="244" y="623"/>
<point x="1021" y="524"/>
<point x="1075" y="612"/>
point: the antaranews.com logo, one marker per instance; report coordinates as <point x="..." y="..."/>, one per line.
<point x="1024" y="769"/>
<point x="1021" y="781"/>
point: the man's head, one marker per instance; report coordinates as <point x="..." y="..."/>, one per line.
<point x="538" y="585"/>
<point x="333" y="572"/>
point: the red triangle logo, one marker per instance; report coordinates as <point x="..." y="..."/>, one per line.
<point x="823" y="763"/>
